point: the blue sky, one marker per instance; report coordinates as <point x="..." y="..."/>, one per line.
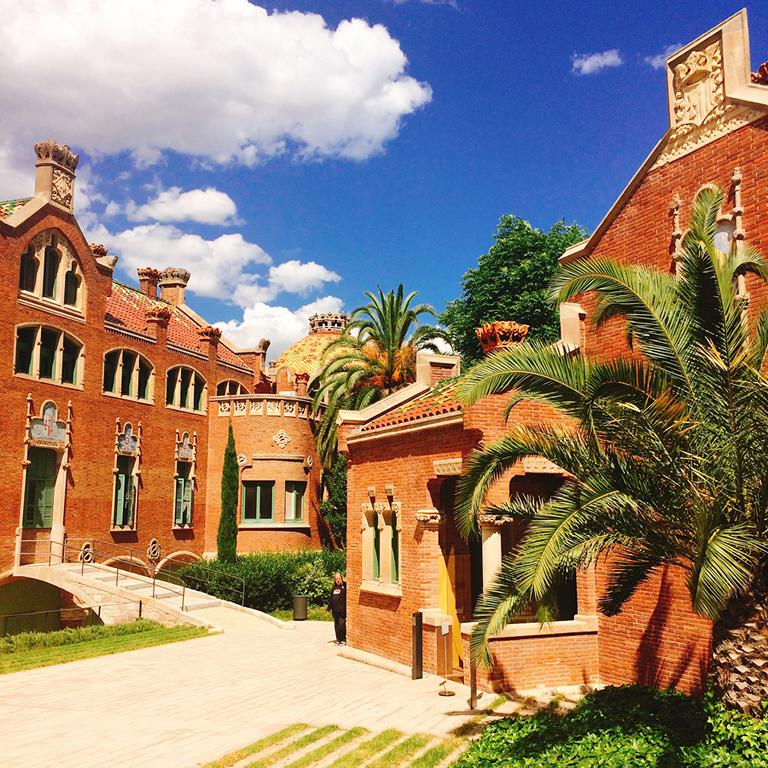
<point x="289" y="187"/>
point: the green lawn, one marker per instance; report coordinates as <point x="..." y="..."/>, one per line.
<point x="314" y="613"/>
<point x="37" y="649"/>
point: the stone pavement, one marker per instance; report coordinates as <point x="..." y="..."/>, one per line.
<point x="183" y="704"/>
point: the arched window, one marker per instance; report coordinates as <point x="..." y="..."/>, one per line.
<point x="230" y="387"/>
<point x="48" y="354"/>
<point x="50" y="270"/>
<point x="128" y="374"/>
<point x="28" y="272"/>
<point x="185" y="388"/>
<point x="72" y="288"/>
<point x="724" y="236"/>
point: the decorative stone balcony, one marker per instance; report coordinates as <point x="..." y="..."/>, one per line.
<point x="263" y="405"/>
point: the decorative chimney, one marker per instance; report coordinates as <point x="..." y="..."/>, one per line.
<point x="55" y="174"/>
<point x="148" y="279"/>
<point x="302" y="384"/>
<point x="209" y="340"/>
<point x="256" y="359"/>
<point x="157" y="321"/>
<point x="173" y="282"/>
<point x="328" y="322"/>
<point x="501" y="334"/>
<point x="100" y="253"/>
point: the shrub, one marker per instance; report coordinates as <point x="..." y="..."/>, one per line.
<point x="271" y="578"/>
<point x="26" y="641"/>
<point x="625" y="726"/>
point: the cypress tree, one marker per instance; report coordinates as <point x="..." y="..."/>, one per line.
<point x="226" y="539"/>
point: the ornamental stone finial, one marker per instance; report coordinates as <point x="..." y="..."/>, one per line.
<point x="55" y="173"/>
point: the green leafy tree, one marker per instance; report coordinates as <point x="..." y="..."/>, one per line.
<point x="375" y="356"/>
<point x="334" y="507"/>
<point x="664" y="451"/>
<point x="510" y="282"/>
<point x="226" y="539"/>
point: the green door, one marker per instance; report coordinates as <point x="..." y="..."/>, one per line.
<point x="40" y="488"/>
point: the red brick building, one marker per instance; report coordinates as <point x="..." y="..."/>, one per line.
<point x="117" y="401"/>
<point x="404" y="452"/>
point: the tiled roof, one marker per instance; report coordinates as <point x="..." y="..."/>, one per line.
<point x="441" y="399"/>
<point x="306" y="354"/>
<point x="7" y="207"/>
<point x="127" y="308"/>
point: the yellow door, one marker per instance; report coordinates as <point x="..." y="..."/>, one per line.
<point x="448" y="566"/>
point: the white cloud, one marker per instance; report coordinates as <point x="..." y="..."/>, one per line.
<point x="591" y="63"/>
<point x="218" y="266"/>
<point x="220" y="80"/>
<point x="280" y="325"/>
<point x="206" y="206"/>
<point x="227" y="267"/>
<point x="296" y="277"/>
<point x="658" y="60"/>
<point x="452" y="3"/>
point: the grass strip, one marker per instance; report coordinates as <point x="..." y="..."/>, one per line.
<point x="257" y="746"/>
<point x="437" y="754"/>
<point x="368" y="749"/>
<point x="402" y="752"/>
<point x="294" y="746"/>
<point x="104" y="646"/>
<point x="326" y="749"/>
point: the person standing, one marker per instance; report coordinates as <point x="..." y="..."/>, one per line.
<point x="337" y="605"/>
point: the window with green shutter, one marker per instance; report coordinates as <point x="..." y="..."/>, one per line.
<point x="184" y="494"/>
<point x="258" y="501"/>
<point x="376" y="548"/>
<point x="40" y="488"/>
<point x="125" y="493"/>
<point x="395" y="549"/>
<point x="294" y="500"/>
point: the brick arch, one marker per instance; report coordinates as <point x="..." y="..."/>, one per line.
<point x="182" y="555"/>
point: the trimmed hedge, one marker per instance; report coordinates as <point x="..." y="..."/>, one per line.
<point x="625" y="726"/>
<point x="271" y="578"/>
<point x="27" y="641"/>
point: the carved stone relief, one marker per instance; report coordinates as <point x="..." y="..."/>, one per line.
<point x="281" y="439"/>
<point x="61" y="188"/>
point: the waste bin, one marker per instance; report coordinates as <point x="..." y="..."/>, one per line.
<point x="300" y="608"/>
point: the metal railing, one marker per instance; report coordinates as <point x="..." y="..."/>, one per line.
<point x="126" y="556"/>
<point x="71" y="551"/>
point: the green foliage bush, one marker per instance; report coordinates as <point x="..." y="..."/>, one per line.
<point x="271" y="578"/>
<point x="26" y="641"/>
<point x="625" y="726"/>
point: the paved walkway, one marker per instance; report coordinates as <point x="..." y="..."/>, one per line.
<point x="181" y="705"/>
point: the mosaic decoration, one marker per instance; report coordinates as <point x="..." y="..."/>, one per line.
<point x="126" y="441"/>
<point x="47" y="432"/>
<point x="242" y="459"/>
<point x="185" y="451"/>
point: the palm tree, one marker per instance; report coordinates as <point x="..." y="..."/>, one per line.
<point x="664" y="450"/>
<point x="375" y="356"/>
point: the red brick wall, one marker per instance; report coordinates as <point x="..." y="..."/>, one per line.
<point x="657" y="638"/>
<point x="254" y="436"/>
<point x="523" y="663"/>
<point x="90" y="482"/>
<point x="378" y="623"/>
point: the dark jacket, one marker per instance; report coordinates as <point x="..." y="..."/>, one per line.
<point x="337" y="602"/>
